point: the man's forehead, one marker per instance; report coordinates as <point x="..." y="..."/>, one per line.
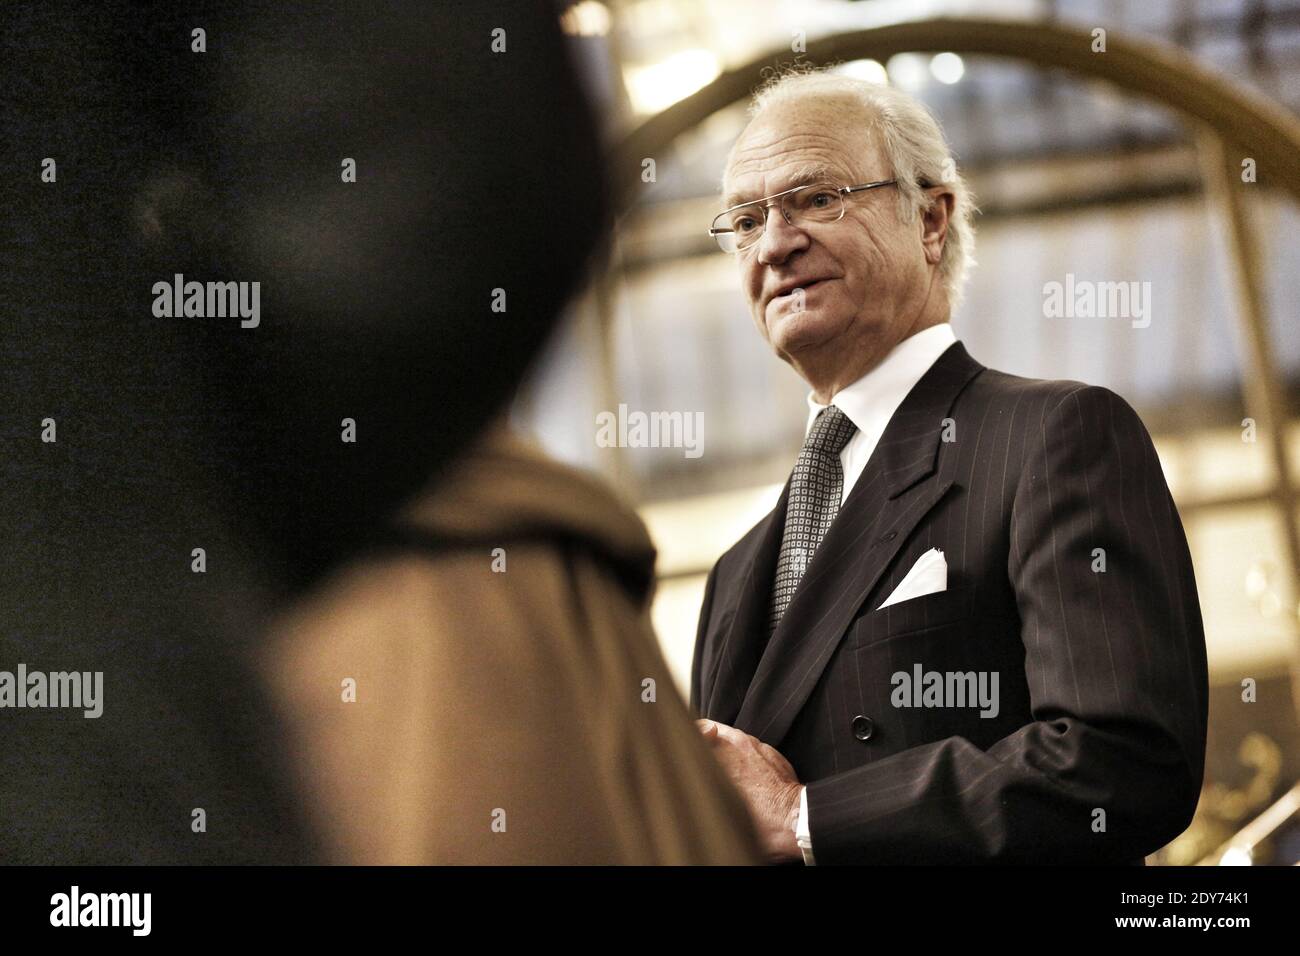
<point x="745" y="187"/>
<point x="776" y="153"/>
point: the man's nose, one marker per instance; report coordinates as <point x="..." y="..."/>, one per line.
<point x="779" y="239"/>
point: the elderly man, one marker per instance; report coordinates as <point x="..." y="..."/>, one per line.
<point x="969" y="630"/>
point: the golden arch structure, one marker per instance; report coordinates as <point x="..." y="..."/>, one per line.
<point x="1230" y="123"/>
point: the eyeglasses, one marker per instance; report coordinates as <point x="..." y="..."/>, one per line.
<point x="741" y="226"/>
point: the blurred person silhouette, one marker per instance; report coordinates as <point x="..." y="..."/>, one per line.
<point x="512" y="704"/>
<point x="174" y="483"/>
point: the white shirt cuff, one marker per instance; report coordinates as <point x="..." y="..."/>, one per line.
<point x="801" y="834"/>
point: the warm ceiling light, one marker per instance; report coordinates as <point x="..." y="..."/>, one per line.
<point x="590" y="18"/>
<point x="658" y="86"/>
<point x="908" y="70"/>
<point x="873" y="71"/>
<point x="947" y="67"/>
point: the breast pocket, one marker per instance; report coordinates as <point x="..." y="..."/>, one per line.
<point x="923" y="613"/>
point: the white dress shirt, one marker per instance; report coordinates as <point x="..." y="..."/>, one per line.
<point x="870" y="403"/>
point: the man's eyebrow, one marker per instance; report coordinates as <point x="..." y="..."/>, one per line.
<point x="799" y="176"/>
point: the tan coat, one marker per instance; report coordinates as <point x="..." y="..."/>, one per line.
<point x="499" y="715"/>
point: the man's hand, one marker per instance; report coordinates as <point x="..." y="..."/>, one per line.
<point x="766" y="780"/>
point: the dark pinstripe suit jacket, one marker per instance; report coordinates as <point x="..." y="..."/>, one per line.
<point x="1027" y="486"/>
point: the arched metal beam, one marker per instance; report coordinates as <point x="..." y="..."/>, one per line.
<point x="1142" y="67"/>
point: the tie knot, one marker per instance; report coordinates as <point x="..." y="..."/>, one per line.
<point x="830" y="432"/>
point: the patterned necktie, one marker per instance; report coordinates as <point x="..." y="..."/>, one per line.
<point x="815" y="489"/>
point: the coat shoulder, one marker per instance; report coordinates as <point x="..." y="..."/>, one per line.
<point x="1005" y="391"/>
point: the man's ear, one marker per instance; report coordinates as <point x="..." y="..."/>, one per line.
<point x="934" y="222"/>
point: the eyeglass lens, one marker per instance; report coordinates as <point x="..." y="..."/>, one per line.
<point x="816" y="203"/>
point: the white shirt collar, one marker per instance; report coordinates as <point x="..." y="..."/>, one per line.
<point x="871" y="401"/>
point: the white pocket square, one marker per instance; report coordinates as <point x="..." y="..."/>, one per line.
<point x="928" y="576"/>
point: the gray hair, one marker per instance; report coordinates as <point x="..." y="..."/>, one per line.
<point x="913" y="144"/>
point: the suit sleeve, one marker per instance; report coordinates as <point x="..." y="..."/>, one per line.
<point x="697" y="658"/>
<point x="1110" y="767"/>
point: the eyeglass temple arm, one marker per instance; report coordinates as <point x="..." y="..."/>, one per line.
<point x="858" y="189"/>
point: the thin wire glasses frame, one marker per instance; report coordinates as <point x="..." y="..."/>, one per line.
<point x="731" y="243"/>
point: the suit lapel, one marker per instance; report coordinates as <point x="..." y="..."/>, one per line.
<point x="741" y="645"/>
<point x="898" y="487"/>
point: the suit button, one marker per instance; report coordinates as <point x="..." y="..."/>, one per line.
<point x="863" y="727"/>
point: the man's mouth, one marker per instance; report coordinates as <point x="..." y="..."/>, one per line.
<point x="805" y="287"/>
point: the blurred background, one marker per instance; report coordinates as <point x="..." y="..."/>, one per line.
<point x="1072" y="175"/>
